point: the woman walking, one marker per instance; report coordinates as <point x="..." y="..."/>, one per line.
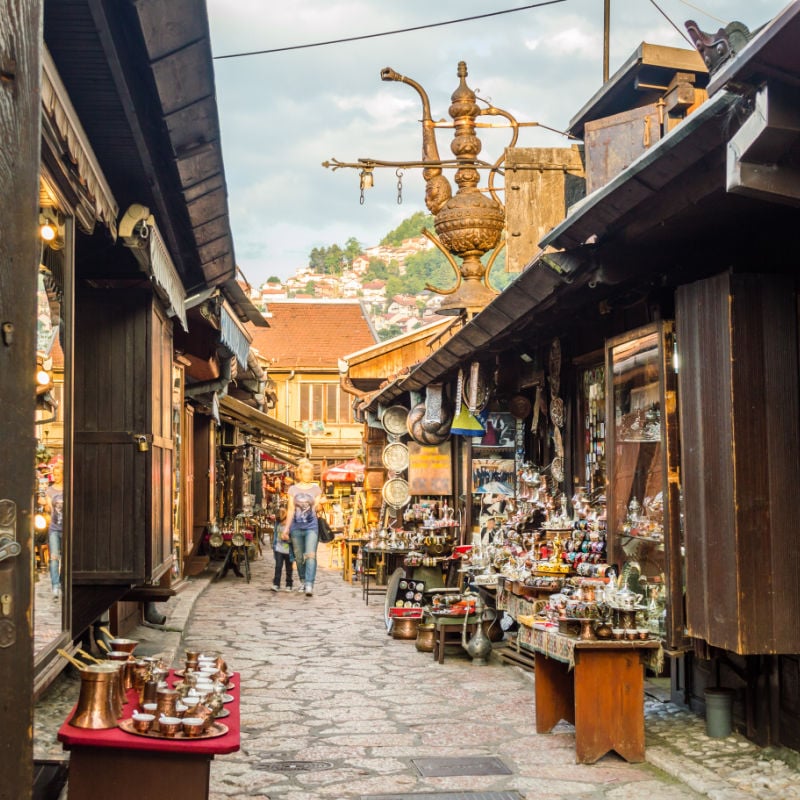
<point x="305" y="501"/>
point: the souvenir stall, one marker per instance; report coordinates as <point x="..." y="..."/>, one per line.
<point x="342" y="483"/>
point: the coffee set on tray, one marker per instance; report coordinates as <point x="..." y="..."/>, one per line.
<point x="190" y="709"/>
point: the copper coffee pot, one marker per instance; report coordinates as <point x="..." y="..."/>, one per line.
<point x="98" y="706"/>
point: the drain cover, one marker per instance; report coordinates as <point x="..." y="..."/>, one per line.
<point x="460" y="765"/>
<point x="295" y="766"/>
<point x="446" y="796"/>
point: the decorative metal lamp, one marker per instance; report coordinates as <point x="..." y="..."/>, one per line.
<point x="469" y="223"/>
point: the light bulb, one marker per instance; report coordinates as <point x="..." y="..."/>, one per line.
<point x="42" y="377"/>
<point x="48" y="231"/>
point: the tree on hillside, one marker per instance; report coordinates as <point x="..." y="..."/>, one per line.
<point x="333" y="260"/>
<point x="389" y="332"/>
<point x="376" y="270"/>
<point x="273" y="279"/>
<point x="394" y="285"/>
<point x="408" y="229"/>
<point x="429" y="266"/>
<point x="352" y="249"/>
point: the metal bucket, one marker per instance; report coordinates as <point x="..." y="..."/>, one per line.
<point x="405" y="628"/>
<point x="426" y="632"/>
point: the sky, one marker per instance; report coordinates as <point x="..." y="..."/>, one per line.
<point x="283" y="113"/>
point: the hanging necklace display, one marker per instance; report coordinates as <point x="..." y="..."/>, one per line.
<point x="556" y="411"/>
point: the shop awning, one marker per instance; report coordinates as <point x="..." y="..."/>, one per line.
<point x="347" y="471"/>
<point x="277" y="438"/>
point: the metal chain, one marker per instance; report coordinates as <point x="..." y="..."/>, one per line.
<point x="399" y="174"/>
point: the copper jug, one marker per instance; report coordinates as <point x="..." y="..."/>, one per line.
<point x="125" y="658"/>
<point x="95" y="709"/>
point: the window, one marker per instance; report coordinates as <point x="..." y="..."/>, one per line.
<point x="324" y="402"/>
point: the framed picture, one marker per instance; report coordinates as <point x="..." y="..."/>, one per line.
<point x="501" y="430"/>
<point x="493" y="476"/>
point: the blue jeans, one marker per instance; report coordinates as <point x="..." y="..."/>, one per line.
<point x="54" y="545"/>
<point x="304" y="545"/>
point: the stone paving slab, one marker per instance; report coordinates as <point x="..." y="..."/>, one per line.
<point x="323" y="684"/>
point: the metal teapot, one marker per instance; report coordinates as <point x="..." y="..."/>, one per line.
<point x="479" y="646"/>
<point x="627" y="599"/>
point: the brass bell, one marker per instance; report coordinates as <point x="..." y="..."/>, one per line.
<point x="96" y="707"/>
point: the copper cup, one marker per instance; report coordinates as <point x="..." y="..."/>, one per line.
<point x="169" y="726"/>
<point x="143" y="722"/>
<point x="193" y="726"/>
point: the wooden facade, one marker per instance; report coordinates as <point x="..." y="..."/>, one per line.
<point x="741" y="458"/>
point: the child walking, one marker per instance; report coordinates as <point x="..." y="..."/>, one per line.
<point x="282" y="550"/>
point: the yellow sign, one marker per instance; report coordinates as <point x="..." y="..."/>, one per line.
<point x="430" y="469"/>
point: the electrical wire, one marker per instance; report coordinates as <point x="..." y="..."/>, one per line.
<point x="703" y="11"/>
<point x="388" y="33"/>
<point x="666" y="17"/>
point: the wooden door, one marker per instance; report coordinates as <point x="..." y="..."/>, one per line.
<point x="123" y="447"/>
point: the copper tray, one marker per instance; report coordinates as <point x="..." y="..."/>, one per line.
<point x="216" y="729"/>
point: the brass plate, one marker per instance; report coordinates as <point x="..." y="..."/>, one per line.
<point x="395" y="457"/>
<point x="395" y="492"/>
<point x="216" y="729"/>
<point x="394" y="420"/>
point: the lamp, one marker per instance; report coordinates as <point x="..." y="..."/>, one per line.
<point x="47" y="230"/>
<point x="50" y="228"/>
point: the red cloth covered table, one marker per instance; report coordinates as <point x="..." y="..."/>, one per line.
<point x="131" y="767"/>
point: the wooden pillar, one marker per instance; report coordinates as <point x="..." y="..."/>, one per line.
<point x="20" y="133"/>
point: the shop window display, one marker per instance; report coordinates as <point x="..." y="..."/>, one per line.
<point x="643" y="490"/>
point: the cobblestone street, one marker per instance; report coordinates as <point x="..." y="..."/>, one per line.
<point x="332" y="707"/>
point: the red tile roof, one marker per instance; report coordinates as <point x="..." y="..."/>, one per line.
<point x="312" y="333"/>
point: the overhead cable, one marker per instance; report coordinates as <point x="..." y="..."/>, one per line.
<point x="388" y="33"/>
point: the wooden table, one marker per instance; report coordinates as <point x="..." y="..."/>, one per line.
<point x="130" y="767"/>
<point x="603" y="695"/>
